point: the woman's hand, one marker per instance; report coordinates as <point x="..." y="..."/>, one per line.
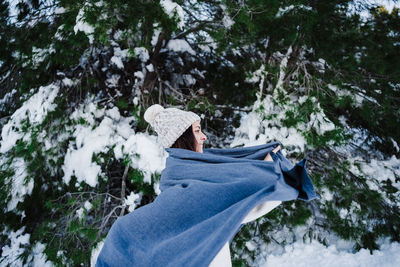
<point x="268" y="156"/>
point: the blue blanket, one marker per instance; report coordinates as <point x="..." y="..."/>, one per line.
<point x="204" y="198"/>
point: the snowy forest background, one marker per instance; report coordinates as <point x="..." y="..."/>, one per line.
<point x="321" y="77"/>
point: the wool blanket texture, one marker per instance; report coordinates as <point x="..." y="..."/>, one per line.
<point x="204" y="198"/>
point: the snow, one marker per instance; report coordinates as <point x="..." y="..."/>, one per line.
<point x="80" y="213"/>
<point x="12" y="251"/>
<point x="395" y="145"/>
<point x="19" y="188"/>
<point x="39" y="55"/>
<point x="118" y="57"/>
<point x="95" y="253"/>
<point x="68" y="82"/>
<point x="172" y="8"/>
<point x="145" y="152"/>
<point x="209" y="43"/>
<point x="226" y="20"/>
<point x="151" y="154"/>
<point x="282" y="68"/>
<point x="15" y="248"/>
<point x="117" y="62"/>
<point x="139" y="75"/>
<point x="38" y="258"/>
<point x="379" y="171"/>
<point x="7" y="97"/>
<point x="256" y="75"/>
<point x="316" y="254"/>
<point x="188" y="79"/>
<point x="132" y="200"/>
<point x="82" y="25"/>
<point x="142" y="54"/>
<point x="255" y="129"/>
<point x="89" y="141"/>
<point x="179" y="45"/>
<point x="150" y="68"/>
<point x="321" y="123"/>
<point x="113" y="80"/>
<point x="156" y="32"/>
<point x="284" y="10"/>
<point x="59" y="10"/>
<point x="87" y="205"/>
<point x="34" y="110"/>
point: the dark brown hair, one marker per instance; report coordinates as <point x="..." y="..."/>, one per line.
<point x="186" y="140"/>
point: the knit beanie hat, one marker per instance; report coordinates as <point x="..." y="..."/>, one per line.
<point x="169" y="123"/>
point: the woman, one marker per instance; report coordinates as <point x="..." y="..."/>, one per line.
<point x="193" y="139"/>
<point x="206" y="196"/>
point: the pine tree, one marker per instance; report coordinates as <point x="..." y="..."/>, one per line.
<point x="311" y="70"/>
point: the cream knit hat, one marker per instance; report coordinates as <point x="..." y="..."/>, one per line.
<point x="169" y="123"/>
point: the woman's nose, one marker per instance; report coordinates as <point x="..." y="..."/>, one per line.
<point x="204" y="137"/>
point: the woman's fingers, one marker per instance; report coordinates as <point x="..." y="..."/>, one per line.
<point x="268" y="158"/>
<point x="276" y="149"/>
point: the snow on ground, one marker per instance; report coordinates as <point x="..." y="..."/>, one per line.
<point x="316" y="254"/>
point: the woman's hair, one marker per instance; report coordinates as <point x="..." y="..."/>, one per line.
<point x="186" y="140"/>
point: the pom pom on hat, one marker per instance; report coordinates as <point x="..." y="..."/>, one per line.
<point x="152" y="112"/>
<point x="169" y="123"/>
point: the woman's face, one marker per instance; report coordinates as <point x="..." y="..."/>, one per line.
<point x="199" y="136"/>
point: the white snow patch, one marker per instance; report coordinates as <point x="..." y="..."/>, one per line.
<point x="95" y="253"/>
<point x="209" y="43"/>
<point x="69" y="83"/>
<point x="119" y="56"/>
<point x="82" y="25"/>
<point x="87" y="205"/>
<point x="188" y="79"/>
<point x="132" y="200"/>
<point x="7" y="98"/>
<point x="19" y="188"/>
<point x="226" y="20"/>
<point x="113" y="80"/>
<point x="39" y="54"/>
<point x="78" y="159"/>
<point x="150" y="68"/>
<point x="34" y="109"/>
<point x="284" y="10"/>
<point x="395" y="145"/>
<point x="151" y="157"/>
<point x="382" y="170"/>
<point x="156" y="34"/>
<point x="142" y="54"/>
<point x="145" y="153"/>
<point x="179" y="45"/>
<point x="12" y="252"/>
<point x="256" y="129"/>
<point x="316" y="254"/>
<point x="172" y="9"/>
